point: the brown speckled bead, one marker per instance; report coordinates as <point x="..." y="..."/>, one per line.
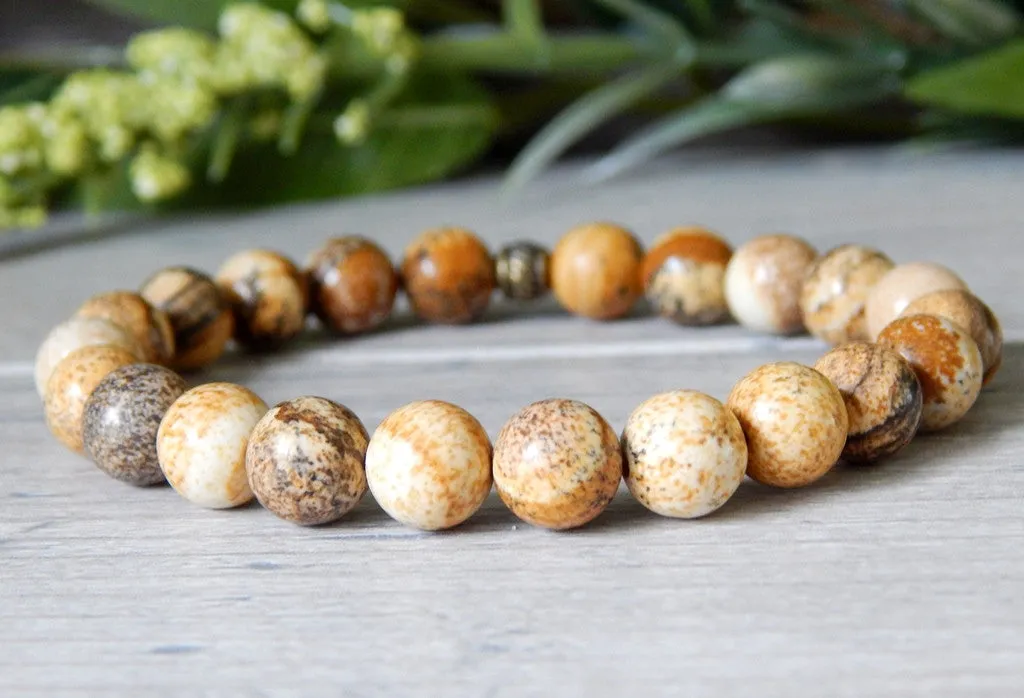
<point x="595" y="271"/>
<point x="522" y="271"/>
<point x="763" y="283"/>
<point x="970" y="312"/>
<point x="903" y="284"/>
<point x="684" y="276"/>
<point x="448" y="275"/>
<point x="428" y="465"/>
<point x="305" y="460"/>
<point x="795" y="422"/>
<point x="148" y="326"/>
<point x="122" y="418"/>
<point x="71" y="384"/>
<point x="836" y="291"/>
<point x="557" y="464"/>
<point x="199" y="314"/>
<point x="883" y="398"/>
<point x="352" y="284"/>
<point x="268" y="295"/>
<point x="946" y="360"/>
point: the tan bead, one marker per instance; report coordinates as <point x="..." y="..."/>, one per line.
<point x="305" y="460"/>
<point x="428" y="465"/>
<point x="883" y="398"/>
<point x="684" y="276"/>
<point x="903" y="284"/>
<point x="685" y="454"/>
<point x="202" y="441"/>
<point x="557" y="464"/>
<point x="795" y="422"/>
<point x="448" y="275"/>
<point x="199" y="314"/>
<point x="72" y="382"/>
<point x="970" y="312"/>
<point x="149" y="327"/>
<point x="763" y="283"/>
<point x="836" y="290"/>
<point x="595" y="271"/>
<point x="352" y="284"/>
<point x="268" y="295"/>
<point x="946" y="360"/>
<point x="74" y="334"/>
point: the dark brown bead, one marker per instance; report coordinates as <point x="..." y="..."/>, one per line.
<point x="352" y="284"/>
<point x="200" y="316"/>
<point x="522" y="271"/>
<point x="268" y="295"/>
<point x="449" y="276"/>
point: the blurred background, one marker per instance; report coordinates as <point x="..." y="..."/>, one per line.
<point x="115" y="105"/>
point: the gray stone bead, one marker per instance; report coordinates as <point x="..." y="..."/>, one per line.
<point x="522" y="271"/>
<point x="121" y="421"/>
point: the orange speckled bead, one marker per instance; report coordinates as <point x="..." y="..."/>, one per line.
<point x="763" y="283"/>
<point x="268" y="295"/>
<point x="72" y="382"/>
<point x="148" y="326"/>
<point x="971" y="313"/>
<point x="684" y="276"/>
<point x="557" y="464"/>
<point x="200" y="316"/>
<point x="795" y="422"/>
<point x="903" y="284"/>
<point x="946" y="360"/>
<point x="595" y="271"/>
<point x="449" y="276"/>
<point x="352" y="284"/>
<point x="836" y="290"/>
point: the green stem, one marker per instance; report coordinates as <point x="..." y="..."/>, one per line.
<point x="226" y="141"/>
<point x="66" y="60"/>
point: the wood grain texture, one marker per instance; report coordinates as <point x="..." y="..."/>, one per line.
<point x="902" y="579"/>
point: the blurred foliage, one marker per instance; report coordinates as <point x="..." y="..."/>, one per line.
<point x="287" y="100"/>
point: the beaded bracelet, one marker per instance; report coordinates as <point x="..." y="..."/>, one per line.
<point x="913" y="348"/>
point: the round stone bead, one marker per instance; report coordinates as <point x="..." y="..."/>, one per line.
<point x="199" y="314"/>
<point x="74" y="334"/>
<point x="795" y="422"/>
<point x="352" y="284"/>
<point x="684" y="276"/>
<point x="971" y="313"/>
<point x="522" y="271"/>
<point x="268" y="295"/>
<point x="448" y="275"/>
<point x="836" y="290"/>
<point x="763" y="283"/>
<point x="946" y="360"/>
<point x="72" y="382"/>
<point x="305" y="460"/>
<point x="557" y="464"/>
<point x="595" y="271"/>
<point x="202" y="441"/>
<point x="903" y="284"/>
<point x="883" y="398"/>
<point x="149" y="328"/>
<point x="122" y="417"/>
<point x="685" y="454"/>
<point x="428" y="465"/>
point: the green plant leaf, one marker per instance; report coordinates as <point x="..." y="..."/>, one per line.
<point x="991" y="84"/>
<point x="976" y="22"/>
<point x="193" y="13"/>
<point x="582" y="116"/>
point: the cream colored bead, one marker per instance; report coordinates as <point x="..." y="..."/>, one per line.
<point x="836" y="290"/>
<point x="685" y="454"/>
<point x="905" y="283"/>
<point x="74" y="334"/>
<point x="428" y="465"/>
<point x="202" y="441"/>
<point x="763" y="282"/>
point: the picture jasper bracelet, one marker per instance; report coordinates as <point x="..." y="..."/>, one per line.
<point x="913" y="348"/>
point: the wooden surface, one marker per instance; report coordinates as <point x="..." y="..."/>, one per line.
<point x="904" y="579"/>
